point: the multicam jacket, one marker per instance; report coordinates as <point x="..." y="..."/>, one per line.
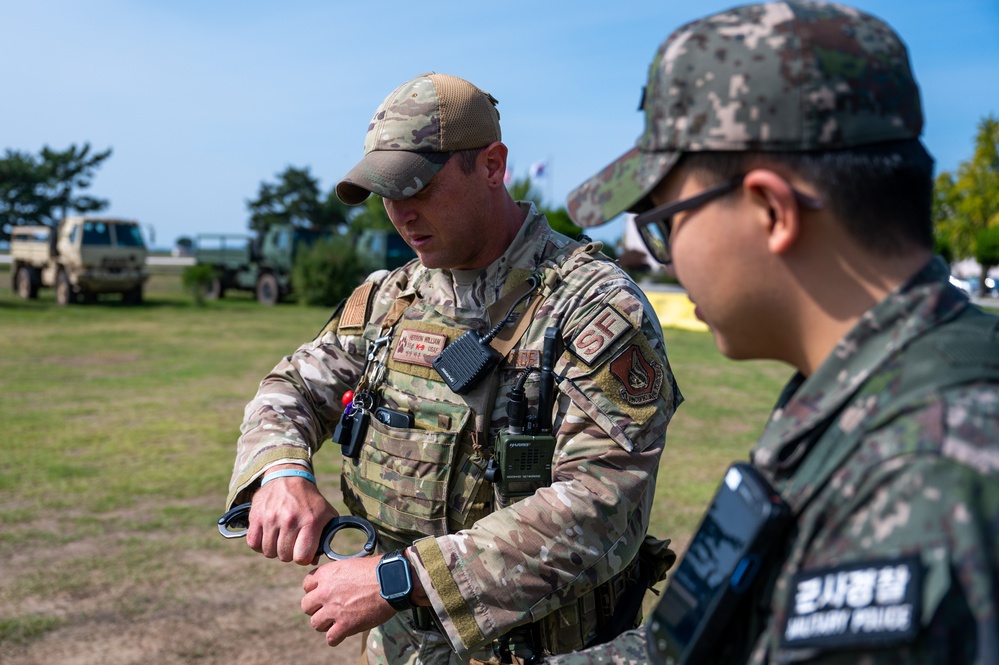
<point x="895" y="553"/>
<point x="486" y="567"/>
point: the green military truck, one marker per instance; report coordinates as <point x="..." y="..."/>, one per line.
<point x="263" y="263"/>
<point x="81" y="258"/>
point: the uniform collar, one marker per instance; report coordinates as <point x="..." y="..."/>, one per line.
<point x="523" y="256"/>
<point x="916" y="306"/>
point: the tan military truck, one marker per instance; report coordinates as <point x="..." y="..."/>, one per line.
<point x="82" y="257"/>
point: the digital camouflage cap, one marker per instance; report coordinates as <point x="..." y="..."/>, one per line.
<point x="788" y="76"/>
<point x="414" y="132"/>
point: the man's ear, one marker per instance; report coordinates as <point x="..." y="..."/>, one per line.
<point x="778" y="208"/>
<point x="493" y="157"/>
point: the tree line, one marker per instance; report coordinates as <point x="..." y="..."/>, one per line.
<point x="44" y="188"/>
<point x="966" y="204"/>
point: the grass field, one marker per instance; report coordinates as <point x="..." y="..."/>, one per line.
<point x="120" y="426"/>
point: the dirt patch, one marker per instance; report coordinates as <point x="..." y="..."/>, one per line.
<point x="195" y="605"/>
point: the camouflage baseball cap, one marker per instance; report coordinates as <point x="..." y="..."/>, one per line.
<point x="414" y="132"/>
<point x="788" y="76"/>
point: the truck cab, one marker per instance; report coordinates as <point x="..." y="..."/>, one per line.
<point x="82" y="257"/>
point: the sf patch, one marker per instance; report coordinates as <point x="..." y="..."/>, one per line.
<point x="640" y="377"/>
<point x="599" y="333"/>
<point x="855" y="605"/>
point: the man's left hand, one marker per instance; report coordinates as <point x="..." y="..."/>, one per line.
<point x="343" y="598"/>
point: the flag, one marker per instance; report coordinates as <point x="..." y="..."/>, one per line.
<point x="538" y="169"/>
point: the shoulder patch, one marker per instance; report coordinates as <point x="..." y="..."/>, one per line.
<point x="357" y="309"/>
<point x="853" y="605"/>
<point x="641" y="378"/>
<point x="599" y="334"/>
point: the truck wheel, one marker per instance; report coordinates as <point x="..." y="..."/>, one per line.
<point x="64" y="289"/>
<point x="26" y="282"/>
<point x="268" y="290"/>
<point x="133" y="297"/>
<point x="215" y="289"/>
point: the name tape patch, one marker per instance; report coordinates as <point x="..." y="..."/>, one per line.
<point x="524" y="358"/>
<point x="855" y="605"/>
<point x="417" y="347"/>
<point x="599" y="334"/>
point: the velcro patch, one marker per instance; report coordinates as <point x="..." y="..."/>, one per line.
<point x="418" y="347"/>
<point x="358" y="307"/>
<point x="524" y="358"/>
<point x="640" y="377"/>
<point x="857" y="604"/>
<point x="599" y="334"/>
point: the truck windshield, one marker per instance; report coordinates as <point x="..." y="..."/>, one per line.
<point x="128" y="235"/>
<point x="96" y="233"/>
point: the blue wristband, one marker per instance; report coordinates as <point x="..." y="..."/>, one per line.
<point x="288" y="473"/>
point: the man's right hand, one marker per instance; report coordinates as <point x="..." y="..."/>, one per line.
<point x="287" y="517"/>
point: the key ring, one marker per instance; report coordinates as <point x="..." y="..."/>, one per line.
<point x="236" y="521"/>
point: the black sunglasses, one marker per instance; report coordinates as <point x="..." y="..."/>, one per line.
<point x="655" y="225"/>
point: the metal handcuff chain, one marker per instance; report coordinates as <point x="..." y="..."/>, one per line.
<point x="236" y="522"/>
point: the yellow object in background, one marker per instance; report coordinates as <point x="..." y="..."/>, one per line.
<point x="675" y="310"/>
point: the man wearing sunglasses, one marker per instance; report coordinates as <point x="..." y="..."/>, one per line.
<point x="781" y="174"/>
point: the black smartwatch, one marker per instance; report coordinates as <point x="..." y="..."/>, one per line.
<point x="394" y="581"/>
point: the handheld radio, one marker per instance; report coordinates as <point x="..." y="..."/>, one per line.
<point x="524" y="450"/>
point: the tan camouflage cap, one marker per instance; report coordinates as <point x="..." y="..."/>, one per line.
<point x="790" y="76"/>
<point x="414" y="132"/>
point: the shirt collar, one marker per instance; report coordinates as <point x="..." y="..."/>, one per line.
<point x="916" y="306"/>
<point x="524" y="255"/>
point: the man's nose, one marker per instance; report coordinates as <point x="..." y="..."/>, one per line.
<point x="400" y="212"/>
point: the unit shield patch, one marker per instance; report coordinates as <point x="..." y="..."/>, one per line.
<point x="857" y="604"/>
<point x="640" y="377"/>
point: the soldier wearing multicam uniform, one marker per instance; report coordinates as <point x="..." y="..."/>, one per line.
<point x="493" y="579"/>
<point x="781" y="173"/>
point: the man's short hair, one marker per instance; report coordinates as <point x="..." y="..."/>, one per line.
<point x="467" y="159"/>
<point x="881" y="193"/>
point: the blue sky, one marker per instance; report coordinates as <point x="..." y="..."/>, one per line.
<point x="201" y="101"/>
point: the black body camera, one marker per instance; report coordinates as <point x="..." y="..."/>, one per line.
<point x="738" y="536"/>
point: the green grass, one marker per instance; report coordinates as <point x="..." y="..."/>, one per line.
<point x="26" y="628"/>
<point x="120" y="426"/>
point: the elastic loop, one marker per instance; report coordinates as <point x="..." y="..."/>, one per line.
<point x="288" y="473"/>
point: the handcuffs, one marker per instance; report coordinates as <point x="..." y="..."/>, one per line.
<point x="236" y="522"/>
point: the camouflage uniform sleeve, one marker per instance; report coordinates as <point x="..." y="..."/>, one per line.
<point x="521" y="563"/>
<point x="295" y="408"/>
<point x="941" y="505"/>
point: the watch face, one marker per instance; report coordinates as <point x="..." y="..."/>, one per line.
<point x="393" y="578"/>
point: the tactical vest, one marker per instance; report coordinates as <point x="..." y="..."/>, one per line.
<point x="960" y="351"/>
<point x="429" y="480"/>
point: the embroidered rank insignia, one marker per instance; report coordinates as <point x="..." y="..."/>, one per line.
<point x="599" y="334"/>
<point x="857" y="604"/>
<point x="640" y="378"/>
<point x="418" y="347"/>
